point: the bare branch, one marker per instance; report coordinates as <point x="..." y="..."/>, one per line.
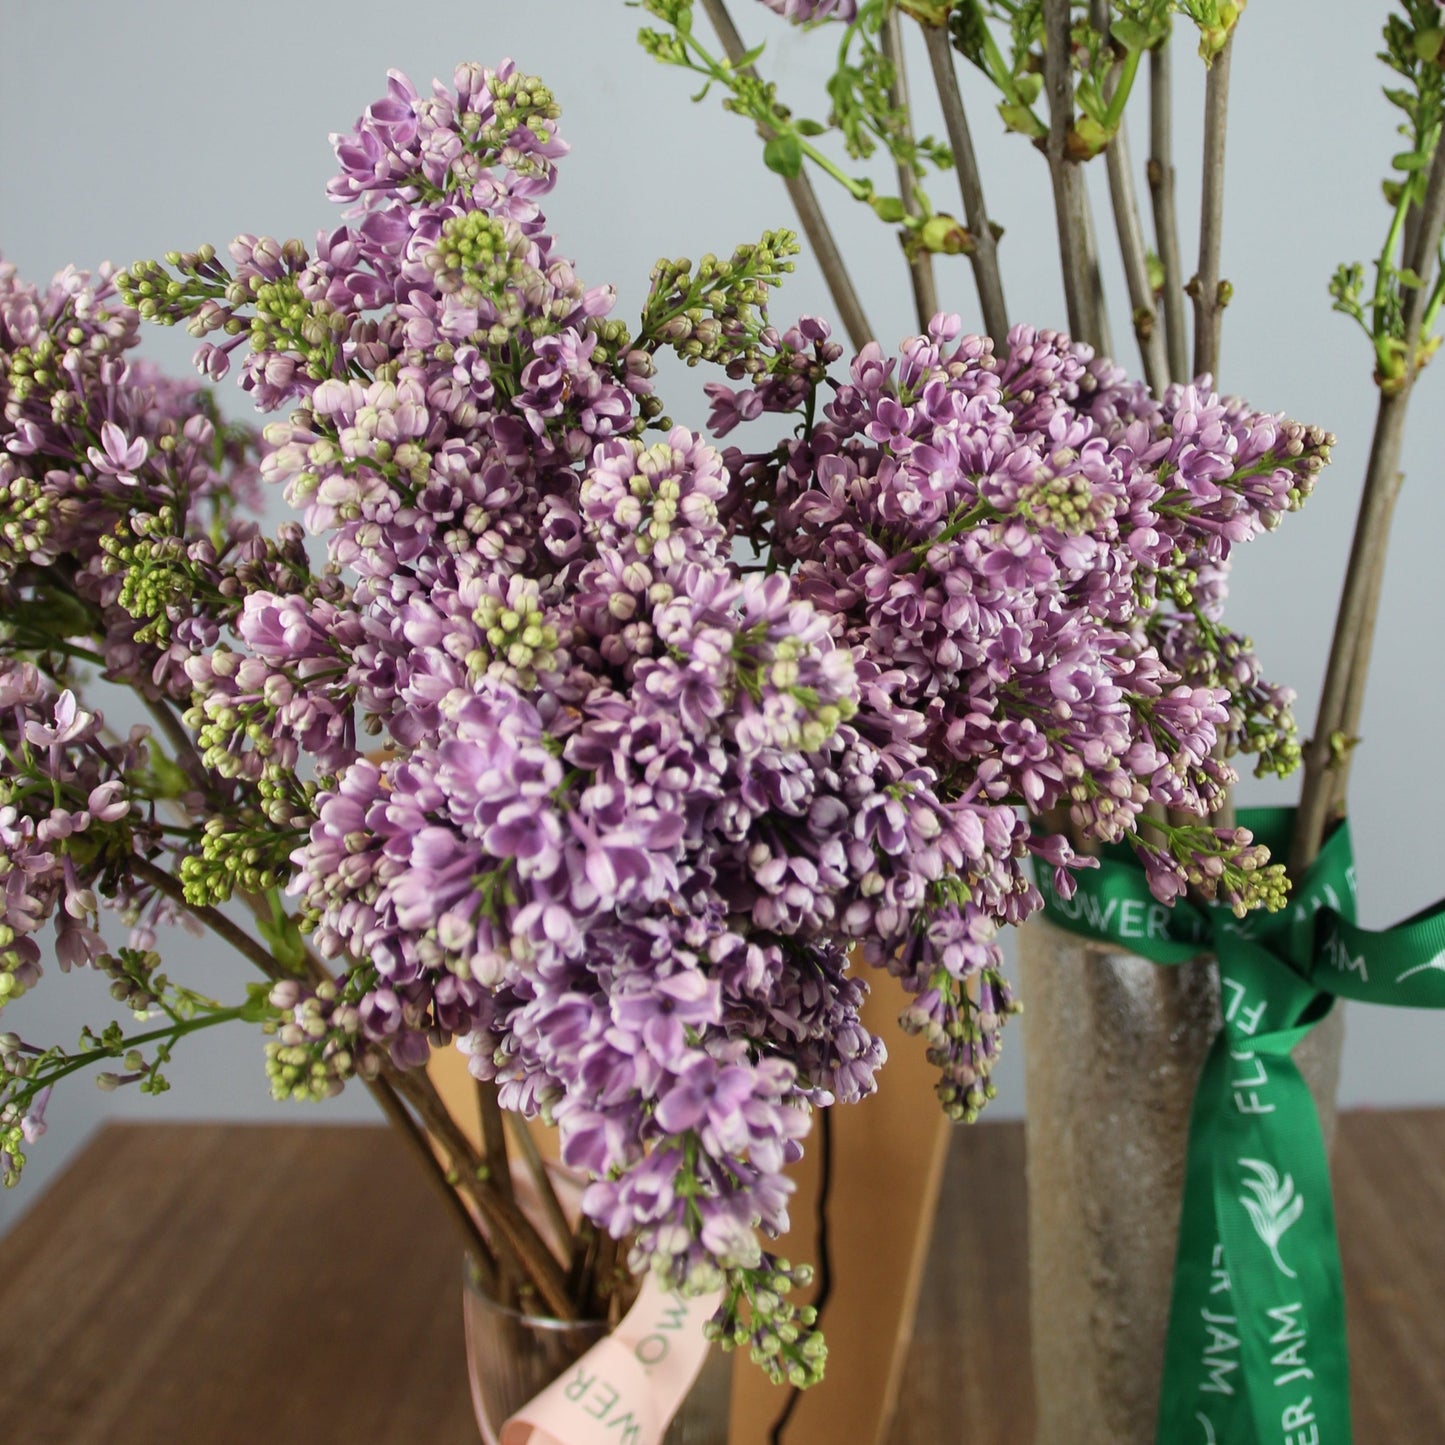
<point x="1326" y="755"/>
<point x="920" y="264"/>
<point x="805" y="203"/>
<point x="1166" y="222"/>
<point x="1130" y="231"/>
<point x="1209" y="293"/>
<point x="1071" y="201"/>
<point x="1104" y="345"/>
<point x="984" y="255"/>
<point x="213" y="918"/>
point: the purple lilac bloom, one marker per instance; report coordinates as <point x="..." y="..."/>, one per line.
<point x="603" y="753"/>
<point x="800" y="11"/>
<point x="636" y="803"/>
<point x="633" y="806"/>
<point x="1001" y="538"/>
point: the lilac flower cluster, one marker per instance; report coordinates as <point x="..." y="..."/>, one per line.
<point x="66" y="835"/>
<point x="550" y="770"/>
<point x="629" y="805"/>
<point x="119" y="546"/>
<point x="117" y="485"/>
<point x="62" y="795"/>
<point x="802" y="11"/>
<point x="1031" y="552"/>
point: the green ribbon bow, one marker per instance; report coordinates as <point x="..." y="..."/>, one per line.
<point x="1256" y="1348"/>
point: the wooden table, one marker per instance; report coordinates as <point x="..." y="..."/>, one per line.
<point x="232" y="1283"/>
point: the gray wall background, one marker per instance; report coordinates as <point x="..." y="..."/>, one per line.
<point x="129" y="130"/>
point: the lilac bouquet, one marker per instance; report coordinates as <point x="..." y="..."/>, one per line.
<point x="1112" y="1094"/>
<point x="554" y="731"/>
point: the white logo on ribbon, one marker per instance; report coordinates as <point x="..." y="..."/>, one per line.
<point x="1436" y="964"/>
<point x="1274" y="1208"/>
<point x="1208" y="1428"/>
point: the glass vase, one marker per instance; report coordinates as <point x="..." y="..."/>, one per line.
<point x="1114" y="1049"/>
<point x="513" y="1357"/>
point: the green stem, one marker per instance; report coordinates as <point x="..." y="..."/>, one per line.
<point x="42" y="643"/>
<point x="1385" y="266"/>
<point x="981" y="511"/>
<point x="1130" y="68"/>
<point x="999" y="71"/>
<point x="859" y="190"/>
<point x="172" y="1033"/>
<point x="800" y="191"/>
<point x="1432" y="307"/>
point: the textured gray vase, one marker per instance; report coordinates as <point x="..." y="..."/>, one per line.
<point x="1115" y="1046"/>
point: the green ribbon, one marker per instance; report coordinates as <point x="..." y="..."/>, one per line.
<point x="1256" y="1347"/>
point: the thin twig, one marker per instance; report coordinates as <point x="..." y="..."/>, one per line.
<point x="213" y="918"/>
<point x="1323" y="758"/>
<point x="542" y="1182"/>
<point x="500" y="1213"/>
<point x="920" y="263"/>
<point x="1166" y="222"/>
<point x="475" y="1241"/>
<point x="1364" y="644"/>
<point x="805" y="202"/>
<point x="384" y="1088"/>
<point x="1104" y="345"/>
<point x="180" y="740"/>
<point x="496" y="1206"/>
<point x="1209" y="293"/>
<point x="1326" y="755"/>
<point x="1071" y="199"/>
<point x="1148" y="327"/>
<point x="1130" y="230"/>
<point x="984" y="256"/>
<point x="494" y="1138"/>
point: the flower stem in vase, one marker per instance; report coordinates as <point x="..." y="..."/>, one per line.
<point x="984" y="254"/>
<point x="1071" y="199"/>
<point x="805" y="202"/>
<point x="1327" y="755"/>
<point x="1210" y="294"/>
<point x="1166" y="222"/>
<point x="920" y="262"/>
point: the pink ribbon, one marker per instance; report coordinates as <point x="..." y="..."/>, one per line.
<point x="625" y="1389"/>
